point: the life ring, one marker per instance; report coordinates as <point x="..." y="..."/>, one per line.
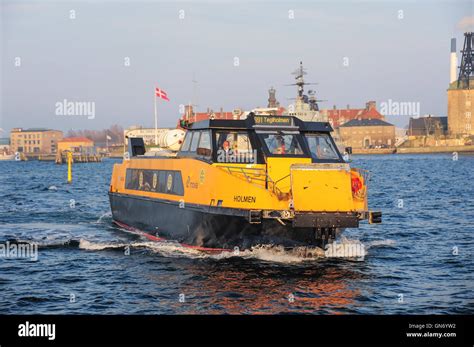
<point x="357" y="185"/>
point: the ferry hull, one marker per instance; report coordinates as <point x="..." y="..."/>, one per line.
<point x="196" y="226"/>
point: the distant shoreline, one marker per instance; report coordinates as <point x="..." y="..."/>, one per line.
<point x="415" y="150"/>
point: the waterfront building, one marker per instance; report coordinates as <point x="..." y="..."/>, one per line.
<point x="4" y="145"/>
<point x="367" y="133"/>
<point x="338" y="117"/>
<point x="428" y="126"/>
<point x="35" y="140"/>
<point x="461" y="109"/>
<point x="461" y="90"/>
<point x="190" y="116"/>
<point x="81" y="145"/>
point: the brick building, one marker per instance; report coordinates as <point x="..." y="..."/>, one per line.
<point x="338" y="117"/>
<point x="35" y="140"/>
<point x="428" y="126"/>
<point x="76" y="145"/>
<point x="367" y="133"/>
<point x="461" y="109"/>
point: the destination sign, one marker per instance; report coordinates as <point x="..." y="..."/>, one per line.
<point x="273" y="120"/>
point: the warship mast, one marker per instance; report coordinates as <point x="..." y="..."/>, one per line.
<point x="305" y="107"/>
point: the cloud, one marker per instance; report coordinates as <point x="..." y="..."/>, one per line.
<point x="466" y="23"/>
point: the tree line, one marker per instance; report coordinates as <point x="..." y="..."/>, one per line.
<point x="115" y="133"/>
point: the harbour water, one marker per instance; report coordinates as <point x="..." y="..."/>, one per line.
<point x="419" y="261"/>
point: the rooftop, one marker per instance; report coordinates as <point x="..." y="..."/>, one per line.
<point x="31" y="130"/>
<point x="340" y="116"/>
<point x="366" y="122"/>
<point x="426" y="122"/>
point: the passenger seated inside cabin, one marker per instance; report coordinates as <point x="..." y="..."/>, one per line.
<point x="235" y="146"/>
<point x="226" y="146"/>
<point x="282" y="144"/>
<point x="321" y="147"/>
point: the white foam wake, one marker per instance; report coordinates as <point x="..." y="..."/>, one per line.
<point x="344" y="248"/>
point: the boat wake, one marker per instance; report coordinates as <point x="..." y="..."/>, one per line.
<point x="344" y="248"/>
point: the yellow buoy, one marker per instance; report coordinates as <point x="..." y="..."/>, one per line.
<point x="69" y="167"/>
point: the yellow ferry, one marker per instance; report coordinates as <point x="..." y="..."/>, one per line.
<point x="240" y="183"/>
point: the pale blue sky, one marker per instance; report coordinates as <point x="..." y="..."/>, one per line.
<point x="82" y="59"/>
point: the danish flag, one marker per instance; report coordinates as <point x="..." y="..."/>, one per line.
<point x="161" y="94"/>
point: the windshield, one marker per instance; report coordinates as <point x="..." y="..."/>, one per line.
<point x="234" y="147"/>
<point x="282" y="144"/>
<point x="322" y="147"/>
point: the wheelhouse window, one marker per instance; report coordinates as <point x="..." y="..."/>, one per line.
<point x="187" y="141"/>
<point x="195" y="141"/>
<point x="204" y="147"/>
<point x="234" y="147"/>
<point x="282" y="143"/>
<point x="322" y="147"/>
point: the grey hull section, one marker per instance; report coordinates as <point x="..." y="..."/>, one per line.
<point x="202" y="226"/>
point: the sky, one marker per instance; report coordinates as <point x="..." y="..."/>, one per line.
<point x="111" y="55"/>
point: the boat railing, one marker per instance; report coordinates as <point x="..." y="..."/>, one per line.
<point x="254" y="174"/>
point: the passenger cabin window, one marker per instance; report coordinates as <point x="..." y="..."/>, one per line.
<point x="282" y="144"/>
<point x="322" y="147"/>
<point x="234" y="147"/>
<point x="157" y="181"/>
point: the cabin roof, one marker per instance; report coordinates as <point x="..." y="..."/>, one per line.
<point x="253" y="122"/>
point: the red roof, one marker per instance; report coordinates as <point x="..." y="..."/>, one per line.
<point x="199" y="116"/>
<point x="76" y="139"/>
<point x="339" y="117"/>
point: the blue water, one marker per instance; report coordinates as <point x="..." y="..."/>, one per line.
<point x="82" y="266"/>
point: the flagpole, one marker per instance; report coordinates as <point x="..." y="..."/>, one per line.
<point x="156" y="119"/>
